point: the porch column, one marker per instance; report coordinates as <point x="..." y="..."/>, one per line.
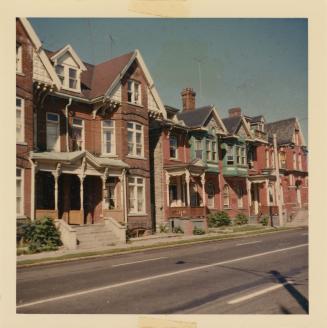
<point x="203" y="181"/>
<point x="81" y="179"/>
<point x="248" y="190"/>
<point x="103" y="179"/>
<point x="267" y="191"/>
<point x="167" y="186"/>
<point x="124" y="194"/>
<point x="187" y="180"/>
<point x="56" y="175"/>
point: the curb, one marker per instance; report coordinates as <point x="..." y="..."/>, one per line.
<point x="151" y="247"/>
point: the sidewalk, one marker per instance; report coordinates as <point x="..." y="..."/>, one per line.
<point x="138" y="244"/>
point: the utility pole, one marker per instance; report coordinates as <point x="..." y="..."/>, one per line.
<point x="279" y="201"/>
<point x="199" y="61"/>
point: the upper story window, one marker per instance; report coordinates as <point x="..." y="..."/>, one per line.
<point x="136" y="187"/>
<point x="53" y="132"/>
<point x="19" y="191"/>
<point x="198" y="148"/>
<point x="294" y="161"/>
<point x="240" y="155"/>
<point x="19" y="58"/>
<point x="69" y="77"/>
<point x="135" y="139"/>
<point x="134" y="92"/>
<point x="19" y="119"/>
<point x="282" y="160"/>
<point x="267" y="158"/>
<point x="173" y="146"/>
<point x="108" y="137"/>
<point x="299" y="162"/>
<point x="78" y="134"/>
<point x="229" y="155"/>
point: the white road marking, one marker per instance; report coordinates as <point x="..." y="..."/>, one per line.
<point x="250" y="242"/>
<point x="259" y="292"/>
<point x="128" y="263"/>
<point x="163" y="275"/>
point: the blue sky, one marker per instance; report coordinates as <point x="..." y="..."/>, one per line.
<point x="259" y="65"/>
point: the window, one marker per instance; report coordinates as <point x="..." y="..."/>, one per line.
<point x="299" y="162"/>
<point x="291" y="180"/>
<point x="108" y="137"/>
<point x="134" y="92"/>
<point x="136" y="195"/>
<point x="173" y="146"/>
<point x="214" y="150"/>
<point x="239" y="191"/>
<point x="267" y="158"/>
<point x="19" y="119"/>
<point x="69" y="77"/>
<point x="173" y="194"/>
<point x="243" y="156"/>
<point x="294" y="161"/>
<point x="211" y="195"/>
<point x="238" y="155"/>
<point x="198" y="148"/>
<point x="19" y="56"/>
<point x="194" y="195"/>
<point x="78" y="134"/>
<point x="272" y="159"/>
<point x="60" y="70"/>
<point x="229" y="154"/>
<point x="72" y="78"/>
<point x="135" y="139"/>
<point x="282" y="160"/>
<point x="53" y="132"/>
<point x="208" y="150"/>
<point x="110" y="193"/>
<point x="19" y="191"/>
<point x="226" y="196"/>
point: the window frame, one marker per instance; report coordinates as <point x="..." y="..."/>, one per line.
<point x="135" y="186"/>
<point x="240" y="194"/>
<point x="65" y="77"/>
<point x="19" y="58"/>
<point x="22" y="119"/>
<point x="198" y="142"/>
<point x="226" y="196"/>
<point x="211" y="197"/>
<point x="108" y="185"/>
<point x="113" y="141"/>
<point x="230" y="158"/>
<point x="134" y="143"/>
<point x="173" y="147"/>
<point x="75" y="126"/>
<point x="57" y="146"/>
<point x="21" y="178"/>
<point x="132" y="92"/>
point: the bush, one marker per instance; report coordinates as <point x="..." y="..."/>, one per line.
<point x="198" y="231"/>
<point x="218" y="219"/>
<point x="241" y="219"/>
<point x="178" y="230"/>
<point x="264" y="221"/>
<point x="41" y="235"/>
<point x="163" y="228"/>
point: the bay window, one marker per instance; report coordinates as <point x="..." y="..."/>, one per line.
<point x="198" y="148"/>
<point x="214" y="151"/>
<point x="135" y="139"/>
<point x="19" y="119"/>
<point x="108" y="137"/>
<point x="229" y="155"/>
<point x="136" y="192"/>
<point x="53" y="132"/>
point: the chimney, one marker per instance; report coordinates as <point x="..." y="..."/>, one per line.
<point x="234" y="112"/>
<point x="188" y="98"/>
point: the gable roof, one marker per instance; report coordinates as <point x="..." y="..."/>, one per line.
<point x="195" y="118"/>
<point x="43" y="56"/>
<point x="284" y="130"/>
<point x="232" y="124"/>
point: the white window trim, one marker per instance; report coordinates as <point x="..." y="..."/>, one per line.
<point x="80" y="127"/>
<point x="133" y="102"/>
<point x="176" y="149"/>
<point x="135" y="185"/>
<point x="57" y="146"/>
<point x="226" y="187"/>
<point x="114" y="185"/>
<point x="134" y="154"/>
<point x="103" y="148"/>
<point x="22" y="108"/>
<point x="65" y="82"/>
<point x="22" y="192"/>
<point x="19" y="58"/>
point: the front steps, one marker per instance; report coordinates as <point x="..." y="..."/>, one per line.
<point x="300" y="219"/>
<point x="95" y="236"/>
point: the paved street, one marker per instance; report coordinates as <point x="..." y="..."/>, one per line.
<point x="261" y="274"/>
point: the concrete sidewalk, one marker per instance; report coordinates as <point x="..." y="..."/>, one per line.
<point x="142" y="243"/>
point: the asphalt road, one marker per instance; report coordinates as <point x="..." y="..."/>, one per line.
<point x="256" y="275"/>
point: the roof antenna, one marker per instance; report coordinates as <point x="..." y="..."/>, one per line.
<point x="112" y="42"/>
<point x="199" y="61"/>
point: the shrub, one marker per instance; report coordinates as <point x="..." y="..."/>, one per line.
<point x="264" y="221"/>
<point x="241" y="219"/>
<point x="218" y="219"/>
<point x="41" y="235"/>
<point x="178" y="230"/>
<point x="198" y="231"/>
<point x="163" y="228"/>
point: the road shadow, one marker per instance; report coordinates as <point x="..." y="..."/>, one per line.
<point x="301" y="300"/>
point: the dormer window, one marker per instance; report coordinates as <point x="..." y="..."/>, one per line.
<point x="134" y="92"/>
<point x="68" y="77"/>
<point x="61" y="73"/>
<point x="72" y="78"/>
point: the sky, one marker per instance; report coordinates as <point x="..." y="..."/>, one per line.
<point x="260" y="65"/>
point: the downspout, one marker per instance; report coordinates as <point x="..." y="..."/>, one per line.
<point x="67" y="123"/>
<point x="33" y="165"/>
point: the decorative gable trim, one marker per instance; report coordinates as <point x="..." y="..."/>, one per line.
<point x="69" y="48"/>
<point x="152" y="89"/>
<point x="42" y="55"/>
<point x="215" y="115"/>
<point x="246" y="127"/>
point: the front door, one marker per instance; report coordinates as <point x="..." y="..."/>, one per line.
<point x="92" y="199"/>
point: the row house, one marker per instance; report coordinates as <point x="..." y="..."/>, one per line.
<point x="95" y="142"/>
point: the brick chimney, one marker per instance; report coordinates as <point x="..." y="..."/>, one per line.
<point x="234" y="112"/>
<point x="188" y="98"/>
